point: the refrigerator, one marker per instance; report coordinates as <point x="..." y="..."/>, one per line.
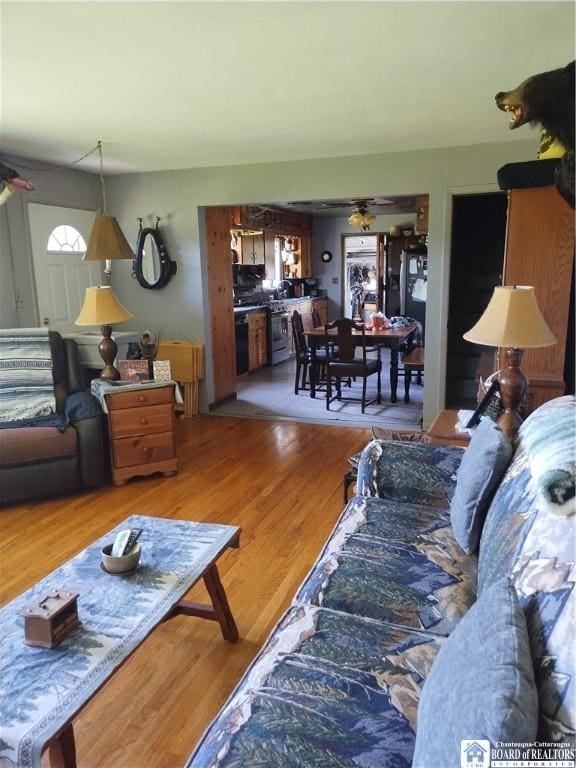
<point x="414" y="283"/>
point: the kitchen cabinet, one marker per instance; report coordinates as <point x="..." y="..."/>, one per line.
<point x="252" y="249"/>
<point x="257" y="340"/>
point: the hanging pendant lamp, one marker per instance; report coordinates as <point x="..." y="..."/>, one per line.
<point x="107" y="242"/>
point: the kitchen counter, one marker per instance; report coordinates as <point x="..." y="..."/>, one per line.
<point x="249" y="308"/>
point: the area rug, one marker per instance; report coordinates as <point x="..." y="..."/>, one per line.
<point x="269" y="394"/>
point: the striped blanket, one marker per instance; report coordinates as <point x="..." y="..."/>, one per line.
<point x="26" y="381"/>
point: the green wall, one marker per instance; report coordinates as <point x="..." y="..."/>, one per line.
<point x="181" y="309"/>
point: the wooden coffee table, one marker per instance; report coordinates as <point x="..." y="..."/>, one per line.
<point x="44" y="689"/>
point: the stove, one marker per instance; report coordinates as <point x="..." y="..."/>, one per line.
<point x="279" y="318"/>
<point x="278" y="307"/>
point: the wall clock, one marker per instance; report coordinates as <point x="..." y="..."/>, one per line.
<point x="326" y="256"/>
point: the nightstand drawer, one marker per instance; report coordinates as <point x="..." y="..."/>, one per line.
<point x="141" y="421"/>
<point x="138" y="397"/>
<point x="129" y="451"/>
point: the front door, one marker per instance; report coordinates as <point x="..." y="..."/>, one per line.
<point x="59" y="237"/>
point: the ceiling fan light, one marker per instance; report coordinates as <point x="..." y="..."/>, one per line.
<point x="362" y="220"/>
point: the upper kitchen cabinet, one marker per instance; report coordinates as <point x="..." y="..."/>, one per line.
<point x="269" y="218"/>
<point x="251" y="250"/>
<point x="258" y="226"/>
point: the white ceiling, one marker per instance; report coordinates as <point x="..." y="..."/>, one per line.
<point x="177" y="85"/>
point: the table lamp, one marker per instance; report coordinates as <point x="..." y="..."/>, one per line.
<point x="512" y="320"/>
<point x="101" y="307"/>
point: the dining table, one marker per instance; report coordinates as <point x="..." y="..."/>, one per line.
<point x="390" y="338"/>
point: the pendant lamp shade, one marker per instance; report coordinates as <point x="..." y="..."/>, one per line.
<point x="107" y="241"/>
<point x="512" y="319"/>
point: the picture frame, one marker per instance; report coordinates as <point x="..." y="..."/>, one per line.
<point x="492" y="394"/>
<point x="162" y="370"/>
<point x="134" y="370"/>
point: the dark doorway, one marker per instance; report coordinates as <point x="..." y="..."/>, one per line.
<point x="477" y="258"/>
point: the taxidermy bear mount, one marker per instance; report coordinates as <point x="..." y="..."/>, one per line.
<point x="548" y="99"/>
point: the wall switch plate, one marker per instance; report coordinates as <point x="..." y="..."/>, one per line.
<point x="335" y="281"/>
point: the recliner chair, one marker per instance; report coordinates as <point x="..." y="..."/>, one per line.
<point x="43" y="462"/>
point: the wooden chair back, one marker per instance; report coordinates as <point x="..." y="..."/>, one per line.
<point x="346" y="344"/>
<point x="316" y="321"/>
<point x="298" y="334"/>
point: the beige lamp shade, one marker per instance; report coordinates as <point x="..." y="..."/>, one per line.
<point x="512" y="319"/>
<point x="101" y="307"/>
<point x="107" y="241"/>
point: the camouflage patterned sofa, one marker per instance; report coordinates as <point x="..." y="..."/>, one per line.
<point x="339" y="679"/>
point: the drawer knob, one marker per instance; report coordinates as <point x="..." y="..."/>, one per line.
<point x="147" y="449"/>
<point x="141" y="398"/>
<point x="143" y="421"/>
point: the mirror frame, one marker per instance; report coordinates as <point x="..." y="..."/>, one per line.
<point x="168" y="267"/>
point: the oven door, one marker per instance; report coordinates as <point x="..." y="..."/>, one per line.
<point x="279" y="331"/>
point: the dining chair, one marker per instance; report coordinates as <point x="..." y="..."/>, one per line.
<point x="303" y="356"/>
<point x="346" y="364"/>
<point x="413" y="363"/>
<point x="410" y="363"/>
<point x="316" y="321"/>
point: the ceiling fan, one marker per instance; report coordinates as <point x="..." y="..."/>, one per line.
<point x="354" y="202"/>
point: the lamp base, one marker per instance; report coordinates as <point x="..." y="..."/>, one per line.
<point x="108" y="350"/>
<point x="513" y="385"/>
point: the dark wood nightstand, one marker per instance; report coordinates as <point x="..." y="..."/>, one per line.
<point x="442" y="431"/>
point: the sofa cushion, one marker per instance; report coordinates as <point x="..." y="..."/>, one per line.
<point x="28" y="445"/>
<point x="327" y="689"/>
<point x="549" y="438"/>
<point x="481" y="685"/>
<point x="393" y="562"/>
<point x="483" y="466"/>
<point x="409" y="472"/>
<point x="522" y="537"/>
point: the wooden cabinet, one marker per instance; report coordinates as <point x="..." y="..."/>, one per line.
<point x="257" y="340"/>
<point x="305" y="256"/>
<point x="321" y="306"/>
<point x="251" y="249"/>
<point x="421" y="225"/>
<point x="540" y="252"/>
<point x="141" y="431"/>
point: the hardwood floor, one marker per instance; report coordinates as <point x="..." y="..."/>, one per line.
<point x="282" y="483"/>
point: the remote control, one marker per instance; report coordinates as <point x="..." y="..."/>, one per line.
<point x="132" y="539"/>
<point x="120" y="543"/>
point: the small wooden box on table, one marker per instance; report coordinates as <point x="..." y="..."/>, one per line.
<point x="141" y="430"/>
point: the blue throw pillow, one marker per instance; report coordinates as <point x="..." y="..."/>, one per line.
<point x="481" y="684"/>
<point x="482" y="467"/>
